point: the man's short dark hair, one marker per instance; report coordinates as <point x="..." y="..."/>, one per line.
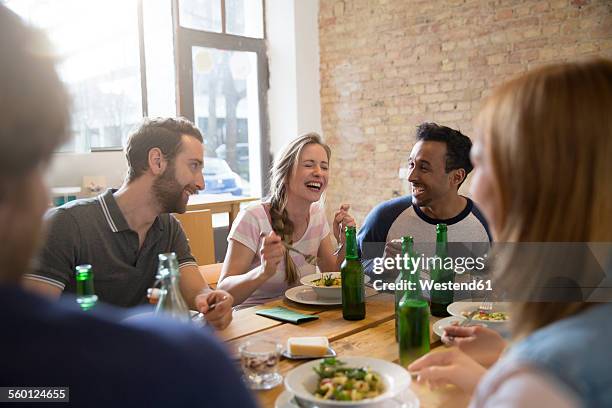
<point x="163" y="133"/>
<point x="458" y="145"/>
<point x="34" y="106"/>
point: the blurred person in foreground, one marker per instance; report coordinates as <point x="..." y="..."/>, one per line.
<point x="104" y="361"/>
<point x="542" y="174"/>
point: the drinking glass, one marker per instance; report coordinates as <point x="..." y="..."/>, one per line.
<point x="259" y="361"/>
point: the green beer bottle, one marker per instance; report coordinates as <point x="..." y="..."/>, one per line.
<point x="353" y="288"/>
<point x="403" y="277"/>
<point x="412" y="323"/>
<point x="86" y="295"/>
<point x="440" y="299"/>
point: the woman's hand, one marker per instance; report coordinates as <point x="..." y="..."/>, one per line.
<point x="342" y="219"/>
<point x="271" y="253"/>
<point x="482" y="344"/>
<point x="448" y="367"/>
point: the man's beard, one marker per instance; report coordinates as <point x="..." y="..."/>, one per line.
<point x="169" y="193"/>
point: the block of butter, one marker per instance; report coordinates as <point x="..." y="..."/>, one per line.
<point x="308" y="346"/>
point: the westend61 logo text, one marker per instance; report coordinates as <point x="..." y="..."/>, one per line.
<point x="458" y="265"/>
<point x="429" y="285"/>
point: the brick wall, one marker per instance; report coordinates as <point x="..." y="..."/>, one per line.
<point x="387" y="65"/>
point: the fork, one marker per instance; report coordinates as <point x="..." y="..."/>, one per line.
<point x="311" y="259"/>
<point x="484" y="306"/>
<point x="338" y="248"/>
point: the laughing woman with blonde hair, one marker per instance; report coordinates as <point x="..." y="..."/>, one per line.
<point x="257" y="267"/>
<point x="543" y="173"/>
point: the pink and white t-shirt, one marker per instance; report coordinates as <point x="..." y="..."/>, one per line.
<point x="247" y="229"/>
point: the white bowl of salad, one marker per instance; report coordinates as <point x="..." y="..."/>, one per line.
<point x="327" y="285"/>
<point x="498" y="315"/>
<point x="347" y="382"/>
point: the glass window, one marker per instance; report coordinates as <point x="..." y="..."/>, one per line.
<point x="244" y="17"/>
<point x="200" y="14"/>
<point x="214" y="166"/>
<point x="226" y="108"/>
<point x="99" y="64"/>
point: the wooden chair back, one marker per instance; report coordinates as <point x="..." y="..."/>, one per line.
<point x="211" y="273"/>
<point x="199" y="230"/>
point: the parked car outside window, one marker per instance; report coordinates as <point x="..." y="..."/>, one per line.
<point x="219" y="178"/>
<point x="242" y="158"/>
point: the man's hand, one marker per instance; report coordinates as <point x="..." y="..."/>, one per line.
<point x="448" y="367"/>
<point x="482" y="344"/>
<point x="393" y="248"/>
<point x="216" y="306"/>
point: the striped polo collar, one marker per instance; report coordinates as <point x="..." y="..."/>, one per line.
<point x="113" y="215"/>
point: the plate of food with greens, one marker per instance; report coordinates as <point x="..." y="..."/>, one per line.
<point x="347" y="381"/>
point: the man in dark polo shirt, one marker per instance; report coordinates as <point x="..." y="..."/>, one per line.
<point x="104" y="361"/>
<point x="121" y="232"/>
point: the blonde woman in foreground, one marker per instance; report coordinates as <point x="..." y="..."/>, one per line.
<point x="543" y="165"/>
<point x="257" y="267"/>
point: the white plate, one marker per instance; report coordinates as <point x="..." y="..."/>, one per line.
<point x="457" y="309"/>
<point x="407" y="400"/>
<point x="438" y="327"/>
<point x="305" y="294"/>
<point x="302" y="380"/>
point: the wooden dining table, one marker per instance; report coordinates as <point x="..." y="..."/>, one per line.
<point x="373" y="336"/>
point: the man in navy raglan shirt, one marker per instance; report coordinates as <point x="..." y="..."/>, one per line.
<point x="104" y="360"/>
<point x="438" y="164"/>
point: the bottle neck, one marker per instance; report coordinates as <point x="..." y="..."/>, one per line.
<point x="410" y="272"/>
<point x="414" y="277"/>
<point x="441" y="244"/>
<point x="407" y="254"/>
<point x="84" y="280"/>
<point x="351" y="244"/>
<point x="170" y="281"/>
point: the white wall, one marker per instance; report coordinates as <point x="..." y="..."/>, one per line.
<point x="294" y="104"/>
<point x="307" y="56"/>
<point x="68" y="169"/>
<point x="282" y="96"/>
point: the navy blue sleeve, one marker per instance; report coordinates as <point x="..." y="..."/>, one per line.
<point x="482" y="219"/>
<point x="373" y="233"/>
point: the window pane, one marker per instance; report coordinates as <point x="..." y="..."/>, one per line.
<point x="200" y="14"/>
<point x="244" y="17"/>
<point x="99" y="64"/>
<point x="226" y="110"/>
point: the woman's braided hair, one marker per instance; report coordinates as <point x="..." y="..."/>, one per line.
<point x="283" y="167"/>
